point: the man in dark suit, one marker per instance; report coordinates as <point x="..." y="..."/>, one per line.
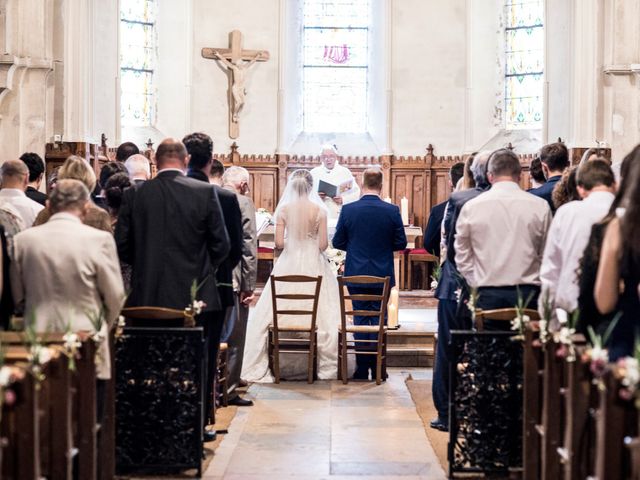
<point x="555" y="160"/>
<point x="200" y="149"/>
<point x="171" y="230"/>
<point x="432" y="234"/>
<point x="36" y="172"/>
<point x="369" y="230"/>
<point x="446" y="292"/>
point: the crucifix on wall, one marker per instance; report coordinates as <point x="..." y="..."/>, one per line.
<point x="237" y="61"/>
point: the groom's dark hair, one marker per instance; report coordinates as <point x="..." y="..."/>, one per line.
<point x="372" y="179"/>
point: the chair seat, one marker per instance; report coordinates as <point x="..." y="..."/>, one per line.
<point x="362" y="328"/>
<point x="421" y="252"/>
<point x="293" y="328"/>
<point x="265" y="250"/>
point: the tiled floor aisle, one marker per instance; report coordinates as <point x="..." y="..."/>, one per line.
<point x="327" y="431"/>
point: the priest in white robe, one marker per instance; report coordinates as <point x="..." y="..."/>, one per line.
<point x="335" y="174"/>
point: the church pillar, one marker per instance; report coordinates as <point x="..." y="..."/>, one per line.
<point x="586" y="73"/>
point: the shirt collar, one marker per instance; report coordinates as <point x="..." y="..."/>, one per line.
<point x="597" y="197"/>
<point x="12" y="192"/>
<point x="181" y="172"/>
<point x="506" y="185"/>
<point x="65" y="216"/>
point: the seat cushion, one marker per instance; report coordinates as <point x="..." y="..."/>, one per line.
<point x="265" y="250"/>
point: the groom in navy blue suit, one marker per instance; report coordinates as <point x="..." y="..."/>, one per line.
<point x="369" y="230"/>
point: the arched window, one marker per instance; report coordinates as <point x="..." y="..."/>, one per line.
<point x="138" y="59"/>
<point x="524" y="64"/>
<point x="335" y="65"/>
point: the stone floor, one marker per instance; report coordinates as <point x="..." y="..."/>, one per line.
<point x="327" y="431"/>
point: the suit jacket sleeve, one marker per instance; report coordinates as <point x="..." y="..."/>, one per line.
<point x="399" y="236"/>
<point x="217" y="237"/>
<point x="432" y="233"/>
<point x="109" y="280"/>
<point x="341" y="238"/>
<point x="249" y="262"/>
<point x="233" y="221"/>
<point x="124" y="231"/>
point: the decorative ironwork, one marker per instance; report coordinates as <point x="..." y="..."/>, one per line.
<point x="485" y="402"/>
<point x="159" y="399"/>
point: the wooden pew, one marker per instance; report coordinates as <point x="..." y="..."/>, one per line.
<point x="66" y="404"/>
<point x="532" y="395"/>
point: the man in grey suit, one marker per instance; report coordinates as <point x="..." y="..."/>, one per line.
<point x="67" y="272"/>
<point x="236" y="179"/>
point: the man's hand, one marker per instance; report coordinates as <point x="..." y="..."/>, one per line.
<point x="338" y="200"/>
<point x="322" y="195"/>
<point x="246" y="298"/>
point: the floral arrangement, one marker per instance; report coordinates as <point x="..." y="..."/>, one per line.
<point x="521" y="320"/>
<point x="266" y="213"/>
<point x="564" y="336"/>
<point x="629" y="371"/>
<point x="72" y="345"/>
<point x="435" y="275"/>
<point x="7" y="376"/>
<point x="195" y="306"/>
<point x="39" y="354"/>
<point x="336" y="259"/>
<point x="472" y="302"/>
<point x="597" y="355"/>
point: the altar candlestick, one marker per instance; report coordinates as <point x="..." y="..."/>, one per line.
<point x="404" y="210"/>
<point x="392" y="316"/>
<point x="394" y="296"/>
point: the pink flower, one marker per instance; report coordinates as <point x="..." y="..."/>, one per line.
<point x="625" y="394"/>
<point x="9" y="397"/>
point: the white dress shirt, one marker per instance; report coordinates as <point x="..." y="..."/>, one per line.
<point x="500" y="237"/>
<point x="27" y="208"/>
<point x="568" y="237"/>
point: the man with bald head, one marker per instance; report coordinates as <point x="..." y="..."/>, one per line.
<point x="14" y="178"/>
<point x="171" y="231"/>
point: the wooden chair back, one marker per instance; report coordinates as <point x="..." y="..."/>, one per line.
<point x="293" y="280"/>
<point x="157" y="316"/>
<point x="501" y="315"/>
<point x="364" y="281"/>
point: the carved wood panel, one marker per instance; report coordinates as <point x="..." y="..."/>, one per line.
<point x="264" y="187"/>
<point x="413" y="185"/>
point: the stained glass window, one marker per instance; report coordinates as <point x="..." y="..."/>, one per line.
<point x="138" y="52"/>
<point x="335" y="69"/>
<point x="524" y="63"/>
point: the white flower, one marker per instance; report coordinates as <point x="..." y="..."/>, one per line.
<point x="600" y="354"/>
<point x="198" y="305"/>
<point x="71" y="342"/>
<point x="434" y="284"/>
<point x="544" y="332"/>
<point x="565" y="334"/>
<point x="631" y="373"/>
<point x="458" y="293"/>
<point x="40" y="354"/>
<point x="121" y="321"/>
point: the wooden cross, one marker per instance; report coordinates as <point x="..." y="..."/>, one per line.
<point x="237" y="61"/>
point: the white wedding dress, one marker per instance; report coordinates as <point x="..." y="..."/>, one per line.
<point x="301" y="256"/>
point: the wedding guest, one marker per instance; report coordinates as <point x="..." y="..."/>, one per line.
<point x="106" y="172"/>
<point x="369" y="230"/>
<point x="467" y="178"/>
<point x="569" y="234"/>
<point x="618" y="278"/>
<point x="46" y="264"/>
<point x="555" y="160"/>
<point x="77" y="168"/>
<point x="446" y="290"/>
<point x="113" y="192"/>
<point x="200" y="149"/>
<point x="138" y="168"/>
<point x="14" y="175"/>
<point x="216" y="173"/>
<point x="500" y="237"/>
<point x="6" y="298"/>
<point x="335" y="174"/>
<point x="245" y="274"/>
<point x="432" y="233"/>
<point x="536" y="173"/>
<point x="36" y="173"/>
<point x="52" y="179"/>
<point x="126" y="150"/>
<point x="588" y="269"/>
<point x="566" y="190"/>
<point x="171" y="230"/>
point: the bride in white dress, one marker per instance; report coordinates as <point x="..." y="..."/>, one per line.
<point x="301" y="229"/>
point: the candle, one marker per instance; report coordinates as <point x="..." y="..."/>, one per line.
<point x="392" y="316"/>
<point x="404" y="210"/>
<point x="388" y="199"/>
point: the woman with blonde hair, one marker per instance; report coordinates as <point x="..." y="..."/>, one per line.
<point x="77" y="168"/>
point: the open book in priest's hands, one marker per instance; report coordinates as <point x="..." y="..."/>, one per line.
<point x="331" y="190"/>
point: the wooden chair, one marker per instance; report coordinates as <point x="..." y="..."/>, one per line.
<point x="346" y="346"/>
<point x="402" y="267"/>
<point x="308" y="346"/>
<point x="222" y="375"/>
<point x="422" y="256"/>
<point x="502" y="315"/>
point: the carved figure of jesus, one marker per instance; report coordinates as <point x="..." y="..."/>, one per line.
<point x="238" y="69"/>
